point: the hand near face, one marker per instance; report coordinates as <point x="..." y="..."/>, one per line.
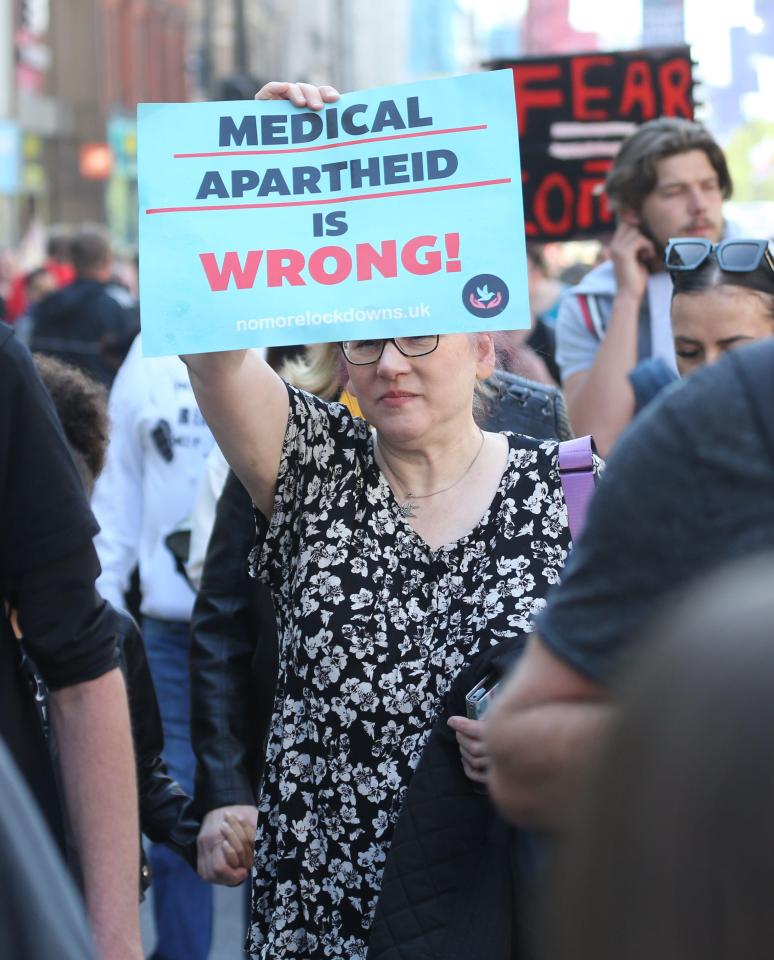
<point x="470" y="738"/>
<point x="631" y="252"/>
<point x="299" y="94"/>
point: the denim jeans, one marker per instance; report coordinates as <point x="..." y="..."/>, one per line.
<point x="182" y="902"/>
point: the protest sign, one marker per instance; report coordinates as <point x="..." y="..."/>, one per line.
<point x="574" y="112"/>
<point x="391" y="212"/>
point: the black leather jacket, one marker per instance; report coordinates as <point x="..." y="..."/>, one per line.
<point x="166" y="810"/>
<point x="233" y="630"/>
<point x="233" y="661"/>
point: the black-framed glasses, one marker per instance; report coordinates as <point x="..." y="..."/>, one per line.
<point x="735" y="255"/>
<point x="369" y="351"/>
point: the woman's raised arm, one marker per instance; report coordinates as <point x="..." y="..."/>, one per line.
<point x="246" y="406"/>
<point x="242" y="398"/>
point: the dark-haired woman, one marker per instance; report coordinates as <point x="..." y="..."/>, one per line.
<point x="722" y="297"/>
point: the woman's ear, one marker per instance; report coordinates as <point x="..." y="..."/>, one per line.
<point x="486" y="359"/>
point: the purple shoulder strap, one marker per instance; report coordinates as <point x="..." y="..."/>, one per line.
<point x="576" y="470"/>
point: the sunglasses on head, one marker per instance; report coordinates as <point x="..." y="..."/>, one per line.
<point x="733" y="255"/>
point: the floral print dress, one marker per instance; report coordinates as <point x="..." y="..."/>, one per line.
<point x="373" y="627"/>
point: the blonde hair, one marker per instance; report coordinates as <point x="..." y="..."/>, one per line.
<point x="319" y="369"/>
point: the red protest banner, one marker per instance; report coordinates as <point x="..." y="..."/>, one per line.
<point x="574" y="111"/>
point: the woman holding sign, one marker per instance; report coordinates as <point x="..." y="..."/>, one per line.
<point x="396" y="555"/>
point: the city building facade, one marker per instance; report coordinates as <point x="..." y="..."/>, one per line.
<point x="74" y="72"/>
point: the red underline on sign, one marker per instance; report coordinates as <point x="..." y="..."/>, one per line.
<point x="306" y="203"/>
<point x="327" y="146"/>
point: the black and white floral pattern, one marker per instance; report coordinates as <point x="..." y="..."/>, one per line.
<point x="373" y="626"/>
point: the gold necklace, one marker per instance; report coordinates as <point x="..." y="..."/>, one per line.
<point x="409" y="506"/>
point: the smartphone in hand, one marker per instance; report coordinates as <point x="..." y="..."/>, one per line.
<point x="479" y="697"/>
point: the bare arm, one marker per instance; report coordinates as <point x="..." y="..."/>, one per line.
<point x="600" y="400"/>
<point x="541" y="734"/>
<point x="91" y="722"/>
<point x="244" y="402"/>
<point x="246" y="405"/>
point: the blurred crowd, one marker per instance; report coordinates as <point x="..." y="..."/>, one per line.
<point x="311" y="563"/>
<point x="77" y="302"/>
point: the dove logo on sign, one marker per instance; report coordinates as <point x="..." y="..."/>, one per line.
<point x="485" y="295"/>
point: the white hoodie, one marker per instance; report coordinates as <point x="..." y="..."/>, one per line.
<point x="143" y="494"/>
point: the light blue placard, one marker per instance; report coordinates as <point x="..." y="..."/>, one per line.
<point x="422" y="182"/>
<point x="10" y="156"/>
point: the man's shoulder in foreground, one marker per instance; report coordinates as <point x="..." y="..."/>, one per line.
<point x="688" y="487"/>
<point x="16" y="366"/>
<point x="745" y="376"/>
<point x="754" y="365"/>
<point x="6" y="333"/>
<point x="11" y="350"/>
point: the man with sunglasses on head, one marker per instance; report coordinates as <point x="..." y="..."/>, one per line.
<point x="668" y="180"/>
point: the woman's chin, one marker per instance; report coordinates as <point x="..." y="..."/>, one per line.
<point x="398" y="428"/>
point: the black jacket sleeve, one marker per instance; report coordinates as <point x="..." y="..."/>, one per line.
<point x="166" y="810"/>
<point x="233" y="661"/>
